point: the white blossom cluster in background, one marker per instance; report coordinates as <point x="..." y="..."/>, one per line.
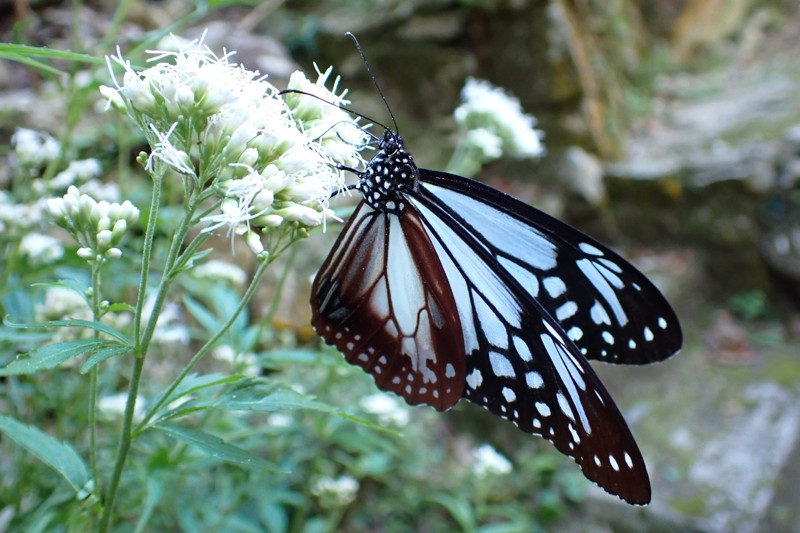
<point x="113" y="406"/>
<point x="492" y="124"/>
<point x="489" y="462"/>
<point x="98" y="227"/>
<point x="270" y="160"/>
<point x="335" y="492"/>
<point x="387" y="408"/>
<point x="34" y="151"/>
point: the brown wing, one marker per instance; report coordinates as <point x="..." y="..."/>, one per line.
<point x="383" y="299"/>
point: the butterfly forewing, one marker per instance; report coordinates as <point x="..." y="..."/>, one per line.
<point x="382" y="298"/>
<point x="609" y="309"/>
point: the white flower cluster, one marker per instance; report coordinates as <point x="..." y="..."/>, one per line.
<point x="336" y="493"/>
<point x="98" y="227"/>
<point x="34" y="149"/>
<point x="246" y="363"/>
<point x="218" y="270"/>
<point x="41" y="249"/>
<point x="489" y="462"/>
<point x="113" y="406"/>
<point x="170" y="324"/>
<point x="494" y="123"/>
<point x="388" y="410"/>
<point x="17" y="219"/>
<point x="229" y="130"/>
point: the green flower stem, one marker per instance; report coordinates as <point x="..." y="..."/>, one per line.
<point x="139" y="352"/>
<point x="93" y="377"/>
<point x="248" y="295"/>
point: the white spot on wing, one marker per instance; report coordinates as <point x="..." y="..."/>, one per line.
<point x="648" y="334"/>
<point x="564" y="405"/>
<point x="494" y="329"/>
<point x="501" y="366"/>
<point x="474" y="379"/>
<point x="601" y="284"/>
<point x="543" y="409"/>
<point x="534" y="380"/>
<point x="522" y="348"/>
<point x="589" y="249"/>
<point x="599" y="314"/>
<point x="575" y="333"/>
<point x="508" y="394"/>
<point x="554" y="286"/>
<point x="566" y="310"/>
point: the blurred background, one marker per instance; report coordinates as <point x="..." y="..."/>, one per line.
<point x="672" y="133"/>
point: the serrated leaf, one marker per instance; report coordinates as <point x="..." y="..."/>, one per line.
<point x="195" y="382"/>
<point x="52" y="355"/>
<point x="259" y="397"/>
<point x="72" y="323"/>
<point x="60" y="456"/>
<point x="49" y="53"/>
<point x="216" y="447"/>
<point x="103" y="354"/>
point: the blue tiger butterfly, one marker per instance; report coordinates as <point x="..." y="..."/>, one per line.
<point x="444" y="288"/>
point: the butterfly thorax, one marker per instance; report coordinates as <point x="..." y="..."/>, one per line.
<point x="391" y="171"/>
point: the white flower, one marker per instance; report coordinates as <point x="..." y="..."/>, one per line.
<point x="34" y="149"/>
<point x="246" y="362"/>
<point x="61" y="303"/>
<point x="280" y="420"/>
<point x="263" y="154"/>
<point x="489" y="462"/>
<point x="77" y="171"/>
<point x="387" y="408"/>
<point x="98" y="227"/>
<point x="489" y="107"/>
<point x="336" y="492"/>
<point x="41" y="249"/>
<point x="166" y="152"/>
<point x="486" y="142"/>
<point x="216" y="269"/>
<point x="169" y="329"/>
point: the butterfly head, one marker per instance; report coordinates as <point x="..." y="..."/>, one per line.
<point x="388" y="174"/>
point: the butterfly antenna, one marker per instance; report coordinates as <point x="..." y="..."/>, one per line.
<point x="334" y="104"/>
<point x="374" y="79"/>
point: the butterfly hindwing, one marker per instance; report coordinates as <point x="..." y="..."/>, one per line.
<point x="383" y="300"/>
<point x="609" y="309"/>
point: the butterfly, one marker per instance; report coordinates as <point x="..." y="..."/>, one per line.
<point x="444" y="288"/>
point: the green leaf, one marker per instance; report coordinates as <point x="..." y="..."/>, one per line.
<point x="258" y="396"/>
<point x="202" y="314"/>
<point x="60" y="456"/>
<point x="459" y="509"/>
<point x="121" y="307"/>
<point x="216" y="447"/>
<point x="196" y="382"/>
<point x="103" y="354"/>
<point x="73" y="323"/>
<point x="12" y="51"/>
<point x="52" y="355"/>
